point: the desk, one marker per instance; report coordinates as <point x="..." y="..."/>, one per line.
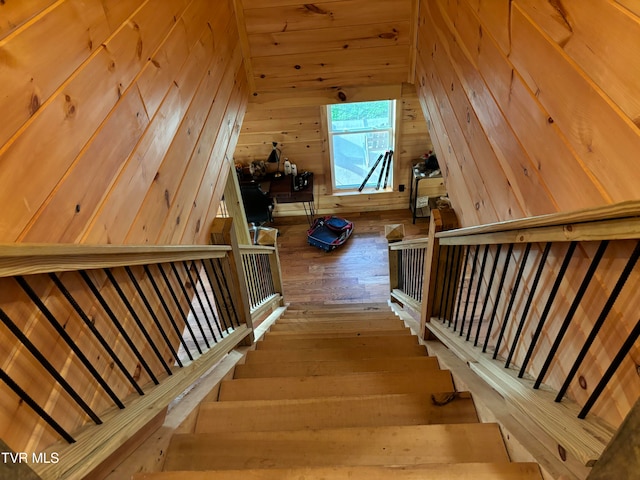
<point x="281" y="190"/>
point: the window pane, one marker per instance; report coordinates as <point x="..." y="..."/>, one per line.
<point x="354" y="154"/>
<point x="360" y="116"/>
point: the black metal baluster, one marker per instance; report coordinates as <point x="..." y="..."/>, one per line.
<point x="615" y="364"/>
<point x="183" y="289"/>
<point x="624" y="276"/>
<point x="118" y="325"/>
<point x="176" y="301"/>
<point x="48" y="366"/>
<point x="167" y="312"/>
<point x="87" y="321"/>
<point x="199" y="299"/>
<point x="527" y="306"/>
<point x="136" y="318"/>
<point x="444" y="302"/>
<point x="498" y="295"/>
<point x="435" y="279"/>
<point x="547" y="307"/>
<point x="456" y="268"/>
<point x="488" y="295"/>
<point x="228" y="291"/>
<point x="272" y="287"/>
<point x="67" y="339"/>
<point x="572" y="310"/>
<point x="473" y="274"/>
<point x="421" y="254"/>
<point x="477" y="295"/>
<point x="24" y="396"/>
<point x="514" y="293"/>
<point x="227" y="310"/>
<point x="153" y="315"/>
<point x="462" y="282"/>
<point x="206" y="297"/>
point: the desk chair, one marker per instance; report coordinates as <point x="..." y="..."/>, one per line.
<point x="258" y="206"/>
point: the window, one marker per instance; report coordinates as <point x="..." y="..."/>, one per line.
<point x="359" y="133"/>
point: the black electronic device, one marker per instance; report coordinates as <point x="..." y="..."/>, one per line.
<point x="300" y="182"/>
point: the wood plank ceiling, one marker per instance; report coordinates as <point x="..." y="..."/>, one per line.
<point x="294" y="46"/>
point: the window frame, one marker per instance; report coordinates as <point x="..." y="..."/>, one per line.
<point x="393" y="132"/>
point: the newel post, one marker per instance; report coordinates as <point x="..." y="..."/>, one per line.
<point x="393" y="233"/>
<point x="223" y="233"/>
<point x="434" y="266"/>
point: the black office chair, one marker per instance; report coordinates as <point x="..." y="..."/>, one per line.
<point x="258" y="206"/>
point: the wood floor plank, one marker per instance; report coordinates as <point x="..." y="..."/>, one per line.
<point x="309" y="368"/>
<point x="439" y="471"/>
<point x="405" y="445"/>
<point x="334" y="412"/>
<point x="427" y="381"/>
<point x="310" y="274"/>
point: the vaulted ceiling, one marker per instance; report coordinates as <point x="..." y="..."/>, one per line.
<point x="292" y="46"/>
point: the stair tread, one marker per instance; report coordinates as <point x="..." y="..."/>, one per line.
<point x="404" y="445"/>
<point x="338" y="325"/>
<point x="309" y="368"/>
<point x="436" y="471"/>
<point x="335" y="412"/>
<point x="369" y="383"/>
<point x="302" y="335"/>
<point x="345" y="353"/>
<point x="294" y="318"/>
<point x="349" y="342"/>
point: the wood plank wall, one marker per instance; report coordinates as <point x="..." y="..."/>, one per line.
<point x="533" y="108"/>
<point x="117" y="118"/>
<point x="120" y="118"/>
<point x="301" y="131"/>
<point x="533" y="105"/>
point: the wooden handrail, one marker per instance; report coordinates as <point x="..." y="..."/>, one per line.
<point x="408" y="244"/>
<point x="257" y="249"/>
<point x="620" y="210"/>
<point x="27" y="259"/>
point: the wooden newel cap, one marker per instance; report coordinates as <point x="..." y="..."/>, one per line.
<point x="267" y="236"/>
<point x="394" y="233"/>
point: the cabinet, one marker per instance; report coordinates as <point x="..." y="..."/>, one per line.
<point x="424" y="190"/>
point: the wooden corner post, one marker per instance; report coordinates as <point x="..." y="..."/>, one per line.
<point x="393" y="233"/>
<point x="223" y="233"/>
<point x="434" y="266"/>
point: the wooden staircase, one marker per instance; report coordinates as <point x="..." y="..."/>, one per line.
<point x="341" y="392"/>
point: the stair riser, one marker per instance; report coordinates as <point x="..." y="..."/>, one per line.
<point x="302" y="369"/>
<point x="330" y="334"/>
<point x="332" y="354"/>
<point x="338" y="326"/>
<point x="307" y="344"/>
<point x="425" y="382"/>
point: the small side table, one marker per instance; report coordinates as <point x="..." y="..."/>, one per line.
<point x="423" y="188"/>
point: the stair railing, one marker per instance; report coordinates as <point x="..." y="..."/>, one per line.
<point x="258" y="266"/>
<point x="544" y="308"/>
<point x="406" y="271"/>
<point x="96" y="341"/>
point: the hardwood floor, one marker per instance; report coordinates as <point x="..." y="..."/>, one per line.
<point x="357" y="272"/>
